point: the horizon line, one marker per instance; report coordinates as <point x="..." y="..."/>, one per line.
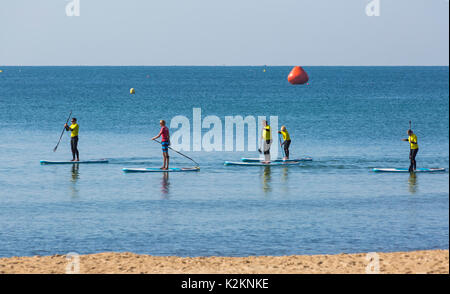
<point x="221" y="65"/>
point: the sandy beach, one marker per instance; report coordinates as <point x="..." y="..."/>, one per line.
<point x="415" y="262"/>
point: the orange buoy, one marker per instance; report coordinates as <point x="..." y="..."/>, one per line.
<point x="298" y="76"/>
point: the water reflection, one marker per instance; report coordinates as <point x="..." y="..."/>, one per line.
<point x="266" y="179"/>
<point x="165" y="184"/>
<point x="75" y="172"/>
<point x="284" y="179"/>
<point x="412" y="183"/>
<point x="75" y="175"/>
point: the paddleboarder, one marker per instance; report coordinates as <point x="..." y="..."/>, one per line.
<point x="286" y="141"/>
<point x="73" y="128"/>
<point x="165" y="143"/>
<point x="267" y="140"/>
<point x="414" y="148"/>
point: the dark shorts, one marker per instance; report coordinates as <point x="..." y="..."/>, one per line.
<point x="165" y="146"/>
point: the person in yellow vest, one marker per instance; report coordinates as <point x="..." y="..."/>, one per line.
<point x="267" y="140"/>
<point x="414" y="148"/>
<point x="286" y="141"/>
<point x="74" y="128"/>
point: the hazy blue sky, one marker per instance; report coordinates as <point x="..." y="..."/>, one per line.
<point x="226" y="32"/>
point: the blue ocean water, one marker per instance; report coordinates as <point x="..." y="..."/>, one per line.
<point x="349" y="119"/>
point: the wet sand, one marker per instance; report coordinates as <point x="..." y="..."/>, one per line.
<point x="415" y="262"/>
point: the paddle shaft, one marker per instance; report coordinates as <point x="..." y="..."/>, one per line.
<point x="179" y="153"/>
<point x="260" y="145"/>
<point x="281" y="145"/>
<point x="62" y="133"/>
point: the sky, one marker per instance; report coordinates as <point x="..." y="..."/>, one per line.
<point x="225" y="32"/>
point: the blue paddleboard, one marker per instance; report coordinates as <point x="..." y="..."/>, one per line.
<point x="74" y="162"/>
<point x="405" y="170"/>
<point x="158" y="170"/>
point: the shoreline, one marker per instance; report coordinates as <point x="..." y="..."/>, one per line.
<point x="412" y="262"/>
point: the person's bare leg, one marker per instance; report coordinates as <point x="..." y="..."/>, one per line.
<point x="165" y="165"/>
<point x="164" y="161"/>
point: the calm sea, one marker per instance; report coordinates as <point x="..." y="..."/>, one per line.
<point x="349" y="119"/>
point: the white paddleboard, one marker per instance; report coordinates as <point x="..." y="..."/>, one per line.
<point x="405" y="170"/>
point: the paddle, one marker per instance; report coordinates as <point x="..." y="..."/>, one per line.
<point x="62" y="133"/>
<point x="410" y="125"/>
<point x="180" y="153"/>
<point x="260" y="145"/>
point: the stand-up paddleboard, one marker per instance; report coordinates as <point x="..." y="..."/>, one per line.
<point x="158" y="170"/>
<point x="405" y="170"/>
<point x="261" y="164"/>
<point x="276" y="160"/>
<point x="75" y="162"/>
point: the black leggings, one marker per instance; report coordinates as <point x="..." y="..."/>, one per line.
<point x="74" y="146"/>
<point x="266" y="147"/>
<point x="412" y="157"/>
<point x="286" y="145"/>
